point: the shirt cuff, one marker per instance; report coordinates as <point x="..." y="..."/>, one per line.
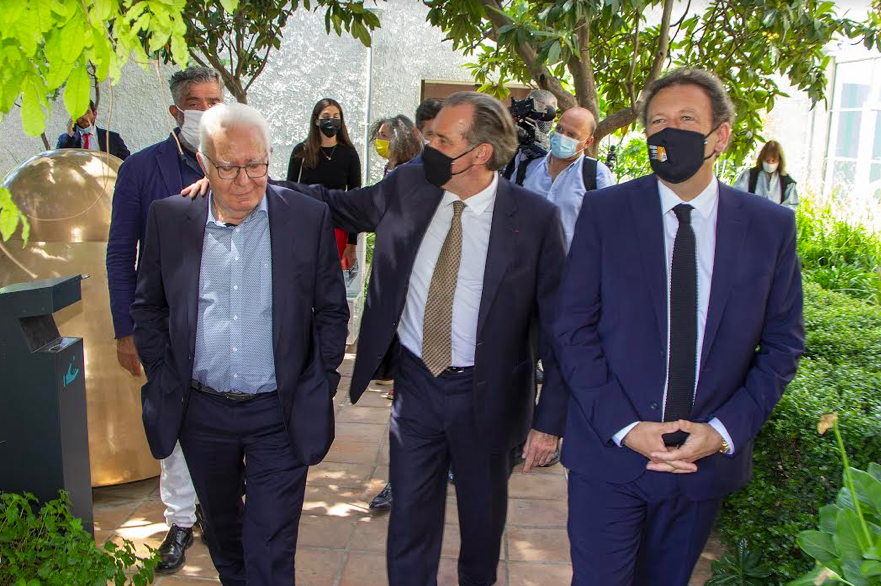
<point x="718" y="426"/>
<point x="619" y="437"/>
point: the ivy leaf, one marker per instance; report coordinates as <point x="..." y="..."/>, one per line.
<point x="76" y="92"/>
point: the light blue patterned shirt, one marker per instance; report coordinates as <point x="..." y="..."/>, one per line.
<point x="234" y="331"/>
<point x="567" y="190"/>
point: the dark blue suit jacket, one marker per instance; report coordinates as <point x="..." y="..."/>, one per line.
<point x="117" y="145"/>
<point x="524" y="264"/>
<point x="309" y="317"/>
<point x="611" y="330"/>
<point x="148" y="175"/>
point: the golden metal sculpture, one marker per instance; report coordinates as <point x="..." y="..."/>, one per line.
<point x="66" y="195"/>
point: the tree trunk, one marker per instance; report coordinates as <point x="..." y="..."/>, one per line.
<point x="45" y="141"/>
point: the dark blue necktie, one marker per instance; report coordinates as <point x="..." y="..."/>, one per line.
<point x="682" y="353"/>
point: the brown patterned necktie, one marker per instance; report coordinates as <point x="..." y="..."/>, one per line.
<point x="437" y="324"/>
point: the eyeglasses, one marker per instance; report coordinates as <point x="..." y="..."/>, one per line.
<point x="253" y="171"/>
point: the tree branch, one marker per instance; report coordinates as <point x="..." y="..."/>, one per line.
<point x="581" y="68"/>
<point x="259" y="69"/>
<point x="528" y="55"/>
<point x="627" y="116"/>
<point x="630" y="86"/>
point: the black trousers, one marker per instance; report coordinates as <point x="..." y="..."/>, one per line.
<point x="433" y="426"/>
<point x="227" y="444"/>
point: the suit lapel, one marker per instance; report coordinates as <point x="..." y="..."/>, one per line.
<point x="731" y="226"/>
<point x="192" y="239"/>
<point x="169" y="167"/>
<point x="645" y="203"/>
<point x="502" y="247"/>
<point x="281" y="246"/>
<point x="102" y="138"/>
<point x="425" y="199"/>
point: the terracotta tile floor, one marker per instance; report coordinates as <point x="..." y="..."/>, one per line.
<point x="341" y="543"/>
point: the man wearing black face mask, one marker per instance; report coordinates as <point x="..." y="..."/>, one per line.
<point x="677" y="333"/>
<point x="465" y="265"/>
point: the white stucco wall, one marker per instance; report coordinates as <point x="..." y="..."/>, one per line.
<point x="309" y="65"/>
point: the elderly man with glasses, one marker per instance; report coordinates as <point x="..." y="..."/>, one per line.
<point x="240" y="321"/>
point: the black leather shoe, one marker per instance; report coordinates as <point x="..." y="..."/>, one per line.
<point x="200" y="524"/>
<point x="171" y="552"/>
<point x="383" y="500"/>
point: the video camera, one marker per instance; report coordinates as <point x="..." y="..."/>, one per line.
<point x="525" y="115"/>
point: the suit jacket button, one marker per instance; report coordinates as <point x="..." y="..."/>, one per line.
<point x="654" y="406"/>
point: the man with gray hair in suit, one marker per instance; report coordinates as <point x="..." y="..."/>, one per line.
<point x="240" y="321"/>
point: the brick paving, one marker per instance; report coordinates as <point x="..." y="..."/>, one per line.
<point x="341" y="543"/>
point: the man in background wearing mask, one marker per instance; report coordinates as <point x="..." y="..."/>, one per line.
<point x="83" y="134"/>
<point x="677" y="333"/>
<point x="154" y="173"/>
<point x="567" y="173"/>
<point x="465" y="266"/>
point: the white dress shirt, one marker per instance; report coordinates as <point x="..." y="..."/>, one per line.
<point x="566" y="190"/>
<point x="476" y="224"/>
<point x="703" y="222"/>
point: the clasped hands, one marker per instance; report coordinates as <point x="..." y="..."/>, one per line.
<point x="646" y="438"/>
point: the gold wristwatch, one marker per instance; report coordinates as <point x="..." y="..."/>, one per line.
<point x="725" y="447"/>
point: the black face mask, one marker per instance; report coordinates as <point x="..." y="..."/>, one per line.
<point x="675" y="154"/>
<point x="330" y="126"/>
<point x="439" y="167"/>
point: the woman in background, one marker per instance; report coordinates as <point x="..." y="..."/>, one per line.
<point x="768" y="177"/>
<point x="396" y="140"/>
<point x="327" y="157"/>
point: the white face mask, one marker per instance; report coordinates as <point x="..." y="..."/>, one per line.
<point x="189" y="132"/>
<point x="769" y="167"/>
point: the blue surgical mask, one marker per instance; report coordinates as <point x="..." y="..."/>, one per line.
<point x="563" y="147"/>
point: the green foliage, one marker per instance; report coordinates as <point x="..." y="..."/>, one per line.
<point x="10" y="216"/>
<point x="847" y="547"/>
<point x="601" y="54"/>
<point x="52" y="549"/>
<point x="742" y="568"/>
<point x="50" y="44"/>
<point x="839" y="254"/>
<point x="632" y="160"/>
<point x="795" y="471"/>
<point x="237" y="42"/>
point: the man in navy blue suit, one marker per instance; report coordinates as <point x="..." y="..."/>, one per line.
<point x="466" y="266"/>
<point x="679" y="327"/>
<point x="240" y="321"/>
<point x="83" y="134"/>
<point x="155" y="173"/>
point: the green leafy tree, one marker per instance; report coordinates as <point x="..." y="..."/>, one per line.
<point x="600" y="54"/>
<point x="47" y="46"/>
<point x="238" y="43"/>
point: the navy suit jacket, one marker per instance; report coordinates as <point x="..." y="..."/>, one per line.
<point x="309" y="317"/>
<point x="148" y="175"/>
<point x="117" y="145"/>
<point x="611" y="330"/>
<point x="524" y="264"/>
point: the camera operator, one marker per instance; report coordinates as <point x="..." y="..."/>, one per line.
<point x="534" y="116"/>
<point x="566" y="173"/>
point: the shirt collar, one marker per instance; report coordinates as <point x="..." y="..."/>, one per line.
<point x="704" y="203"/>
<point x="480" y="201"/>
<point x="262" y="207"/>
